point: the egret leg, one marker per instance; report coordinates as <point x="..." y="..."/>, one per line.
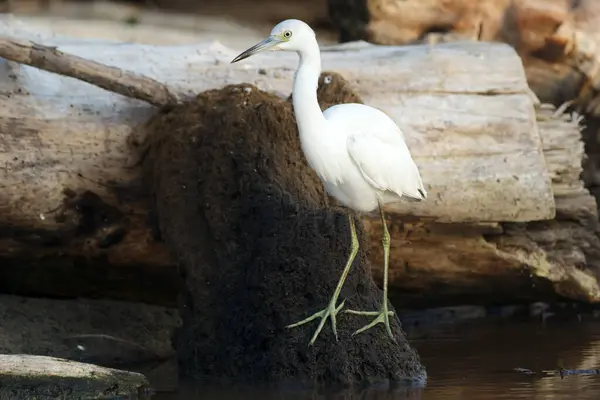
<point x="331" y="310"/>
<point x="383" y="315"/>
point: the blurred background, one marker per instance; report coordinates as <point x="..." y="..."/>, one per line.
<point x="234" y="23"/>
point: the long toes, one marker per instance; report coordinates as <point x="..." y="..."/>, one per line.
<point x="330" y="312"/>
<point x="388" y="327"/>
<point x="317" y="331"/>
<point x="333" y="326"/>
<point x="368" y="313"/>
<point x="304" y="321"/>
<point x="377" y="320"/>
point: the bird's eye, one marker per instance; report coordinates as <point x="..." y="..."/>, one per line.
<point x="287" y="34"/>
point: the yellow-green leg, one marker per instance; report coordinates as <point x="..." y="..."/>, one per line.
<point x="383" y="315"/>
<point x="331" y="310"/>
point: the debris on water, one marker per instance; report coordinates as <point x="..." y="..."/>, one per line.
<point x="525" y="371"/>
<point x="564" y="372"/>
<point x="558" y="372"/>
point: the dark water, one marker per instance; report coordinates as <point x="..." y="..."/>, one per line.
<point x="475" y="361"/>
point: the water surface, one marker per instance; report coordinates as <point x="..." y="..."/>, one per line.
<point x="474" y="361"/>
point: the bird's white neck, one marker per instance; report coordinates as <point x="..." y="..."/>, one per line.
<point x="308" y="114"/>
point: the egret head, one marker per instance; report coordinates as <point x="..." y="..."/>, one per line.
<point x="288" y="35"/>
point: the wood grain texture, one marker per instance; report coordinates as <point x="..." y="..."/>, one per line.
<point x="462" y="263"/>
<point x="465" y="109"/>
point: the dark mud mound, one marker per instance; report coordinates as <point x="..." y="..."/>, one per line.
<point x="334" y="89"/>
<point x="259" y="247"/>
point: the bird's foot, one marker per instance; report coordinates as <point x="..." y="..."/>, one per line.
<point x="329" y="312"/>
<point x="382" y="316"/>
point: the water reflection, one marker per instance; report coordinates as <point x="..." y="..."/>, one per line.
<point x="474" y="360"/>
<point x="190" y="392"/>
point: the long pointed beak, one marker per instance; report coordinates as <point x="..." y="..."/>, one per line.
<point x="257" y="48"/>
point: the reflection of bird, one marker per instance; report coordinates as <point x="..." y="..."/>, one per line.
<point x="358" y="152"/>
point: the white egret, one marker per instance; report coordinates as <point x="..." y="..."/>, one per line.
<point x="358" y="152"/>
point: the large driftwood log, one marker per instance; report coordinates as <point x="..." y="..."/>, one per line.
<point x="558" y="41"/>
<point x="75" y="207"/>
<point x="488" y="144"/>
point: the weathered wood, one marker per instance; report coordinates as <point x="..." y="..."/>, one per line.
<point x="71" y="198"/>
<point x="518" y="261"/>
<point x="558" y="41"/>
<point x="481" y="129"/>
<point x="40" y="377"/>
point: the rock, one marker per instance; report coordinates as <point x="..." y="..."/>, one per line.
<point x="107" y="333"/>
<point x="29" y="377"/>
<point x="259" y="248"/>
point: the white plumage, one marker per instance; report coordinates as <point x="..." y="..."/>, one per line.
<point x="377" y="165"/>
<point x="357" y="151"/>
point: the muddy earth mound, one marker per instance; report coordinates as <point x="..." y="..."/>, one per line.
<point x="260" y="245"/>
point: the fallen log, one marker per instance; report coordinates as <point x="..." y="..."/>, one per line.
<point x="558" y="41"/>
<point x="75" y="218"/>
<point x="559" y="44"/>
<point x="503" y="140"/>
<point x="518" y="261"/>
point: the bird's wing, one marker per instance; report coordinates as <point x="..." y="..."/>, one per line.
<point x="386" y="163"/>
